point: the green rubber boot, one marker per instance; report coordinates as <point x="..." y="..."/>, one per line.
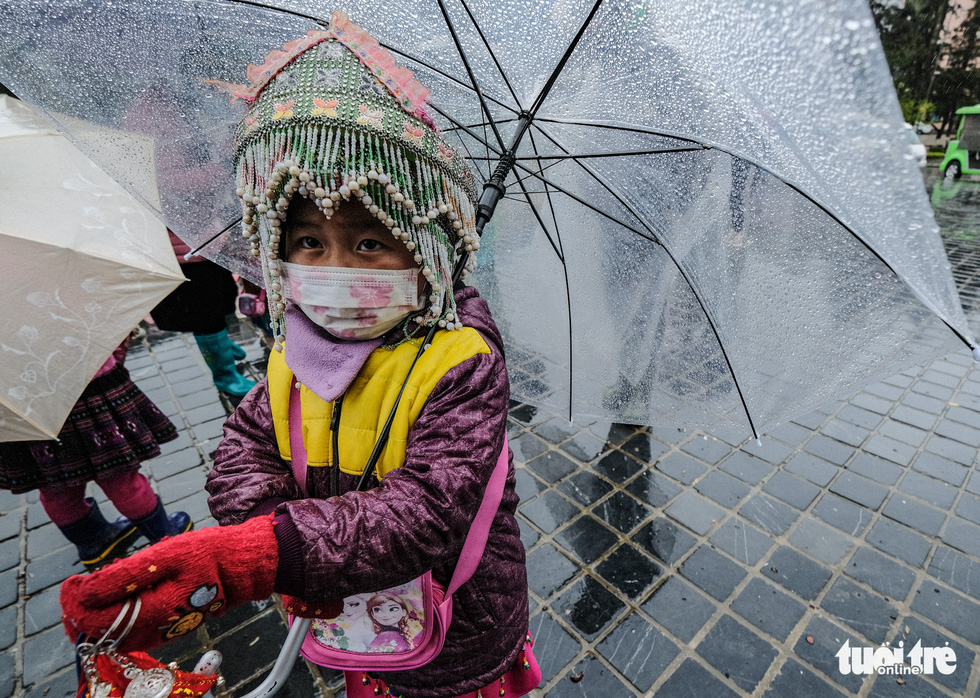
<point x="219" y="353"/>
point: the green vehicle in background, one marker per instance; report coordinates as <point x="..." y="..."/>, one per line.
<point x="963" y="154"/>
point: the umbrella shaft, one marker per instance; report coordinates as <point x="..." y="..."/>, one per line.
<point x="494" y="189"/>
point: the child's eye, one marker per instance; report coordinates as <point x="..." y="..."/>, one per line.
<point x="308" y="242"/>
<point x="369" y="245"/>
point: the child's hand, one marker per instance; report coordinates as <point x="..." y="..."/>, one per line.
<point x="180" y="581"/>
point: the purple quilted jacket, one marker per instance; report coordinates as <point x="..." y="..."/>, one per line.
<point x="415" y="520"/>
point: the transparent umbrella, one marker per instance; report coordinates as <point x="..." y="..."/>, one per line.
<point x="84" y="263"/>
<point x="703" y="212"/>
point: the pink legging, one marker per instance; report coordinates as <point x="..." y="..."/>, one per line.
<point x="129" y="491"/>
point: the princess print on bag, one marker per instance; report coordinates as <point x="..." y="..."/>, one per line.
<point x="390" y="618"/>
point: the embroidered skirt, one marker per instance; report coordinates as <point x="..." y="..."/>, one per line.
<point x="113" y="426"/>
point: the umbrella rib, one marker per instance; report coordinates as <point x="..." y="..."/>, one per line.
<point x="680" y="269"/>
<point x="792" y="185"/>
<point x="403" y="54"/>
<point x="589" y="156"/>
<point x="469" y="72"/>
<point x="500" y="68"/>
<point x="537" y="215"/>
<point x="539" y="100"/>
<point x="465" y="129"/>
<point x="213" y="238"/>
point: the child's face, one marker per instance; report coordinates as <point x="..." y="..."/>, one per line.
<point x="352" y="237"/>
<point x="388" y="612"/>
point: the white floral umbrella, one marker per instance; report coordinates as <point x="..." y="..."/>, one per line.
<point x="84" y="262"/>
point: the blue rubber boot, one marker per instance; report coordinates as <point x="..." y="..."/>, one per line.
<point x="158" y="524"/>
<point x="97" y="540"/>
<point x="219" y="353"/>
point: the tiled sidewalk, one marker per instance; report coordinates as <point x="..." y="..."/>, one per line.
<point x="660" y="562"/>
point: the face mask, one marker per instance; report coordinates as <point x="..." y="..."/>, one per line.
<point x="353" y="303"/>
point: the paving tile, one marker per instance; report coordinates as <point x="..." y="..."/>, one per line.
<point x="912" y="630"/>
<point x="963" y="415"/>
<point x="554" y="647"/>
<point x="653" y="488"/>
<point x="10" y="524"/>
<point x="957" y="570"/>
<point x="790" y="434"/>
<point x="585" y="488"/>
<point x="233" y="617"/>
<point x="772" y="516"/>
<point x="969" y="508"/>
<point x="913" y="436"/>
<point x="669" y="435"/>
<point x="679" y="607"/>
<point x="912" y="687"/>
<point x="588" y="607"/>
<point x="639" y="651"/>
<point x="527" y="486"/>
<point x="881" y="573"/>
<point x="742" y="541"/>
<point x="872" y="403"/>
<point x="617" y="466"/>
<point x="681" y="467"/>
<point x="829" y="449"/>
<point x="821" y="541"/>
<point x="527" y="446"/>
<point x="664" y="539"/>
<point x="587" y="539"/>
<point x="552" y="466"/>
<point x="796" y="572"/>
<point x="548" y="570"/>
<point x="940" y="392"/>
<point x="245" y="649"/>
<point x="890" y="449"/>
<point x="594" y="679"/>
<point x="857" y="488"/>
<point x="917" y="418"/>
<point x="556" y="430"/>
<point x="827" y="639"/>
<point x="622" y="512"/>
<point x="959" y="432"/>
<point x="64" y="684"/>
<point x="900" y="541"/>
<point x="42" y="611"/>
<point x="924" y="403"/>
<point x="952" y="450"/>
<point x="182" y="441"/>
<point x="948" y="608"/>
<point x="164" y="466"/>
<point x="722" y="488"/>
<point x="50" y="569"/>
<point x="712" y="572"/>
<point x="549" y="511"/>
<point x="914" y="513"/>
<point x="737" y="652"/>
<point x="8" y="626"/>
<point x="866" y="419"/>
<point x="208" y="396"/>
<point x="44" y="540"/>
<point x="791" y="489"/>
<point x="746" y="468"/>
<point x="769" y="609"/>
<point x="842" y="431"/>
<point x="811" y="421"/>
<point x="771" y="451"/>
<point x="708" y="449"/>
<point x="523" y="413"/>
<point x="973" y="484"/>
<point x="796" y="680"/>
<point x="933" y="491"/>
<point x="887" y="392"/>
<point x="963" y="535"/>
<point x="941" y="468"/>
<point x="645" y="448"/>
<point x="179" y="486"/>
<point x="210" y="431"/>
<point x="46" y="653"/>
<point x="629" y="570"/>
<point x="840" y="513"/>
<point x="691" y="679"/>
<point x="583" y="446"/>
<point x="814" y="469"/>
<point x="695" y="512"/>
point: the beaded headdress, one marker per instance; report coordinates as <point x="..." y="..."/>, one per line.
<point x="332" y="117"/>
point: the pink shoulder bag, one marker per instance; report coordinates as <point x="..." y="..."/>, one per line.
<point x="403" y="627"/>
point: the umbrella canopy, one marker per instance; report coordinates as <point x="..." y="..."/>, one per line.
<point x="84" y="263"/>
<point x="705" y="212"/>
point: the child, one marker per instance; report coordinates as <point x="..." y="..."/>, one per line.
<point x="110" y="430"/>
<point x="359" y="211"/>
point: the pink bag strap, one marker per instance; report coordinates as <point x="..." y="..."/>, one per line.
<point x="476" y="537"/>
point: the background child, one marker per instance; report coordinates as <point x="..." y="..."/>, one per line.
<point x="359" y="211"/>
<point x="110" y="430"/>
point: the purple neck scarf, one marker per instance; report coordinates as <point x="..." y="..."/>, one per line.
<point x="322" y="363"/>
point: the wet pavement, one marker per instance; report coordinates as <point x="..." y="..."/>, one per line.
<point x="660" y="561"/>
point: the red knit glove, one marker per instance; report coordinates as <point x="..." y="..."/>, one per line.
<point x="180" y="581"/>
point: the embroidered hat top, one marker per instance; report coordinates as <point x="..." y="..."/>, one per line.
<point x="332" y="117"/>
